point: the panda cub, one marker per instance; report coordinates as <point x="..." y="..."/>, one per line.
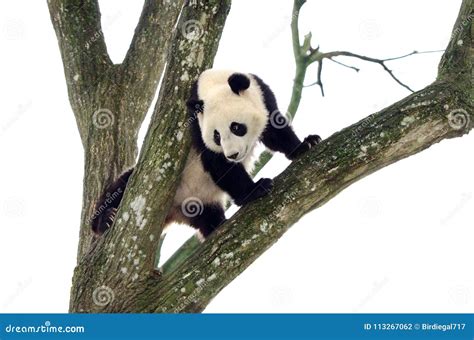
<point x="230" y="113"/>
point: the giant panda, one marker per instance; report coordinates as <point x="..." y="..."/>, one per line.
<point x="230" y="113"/>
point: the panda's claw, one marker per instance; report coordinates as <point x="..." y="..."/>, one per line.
<point x="305" y="145"/>
<point x="312" y="140"/>
<point x="266" y="184"/>
<point x="262" y="188"/>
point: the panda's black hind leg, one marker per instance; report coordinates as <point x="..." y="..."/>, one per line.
<point x="108" y="203"/>
<point x="210" y="218"/>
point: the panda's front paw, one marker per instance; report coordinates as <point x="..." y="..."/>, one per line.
<point x="263" y="187"/>
<point x="305" y="145"/>
<point x="260" y="189"/>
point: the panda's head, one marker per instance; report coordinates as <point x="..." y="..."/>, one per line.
<point x="232" y="113"/>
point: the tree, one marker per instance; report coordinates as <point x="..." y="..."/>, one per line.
<point x="117" y="272"/>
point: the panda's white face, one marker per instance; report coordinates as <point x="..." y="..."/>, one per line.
<point x="231" y="123"/>
<point x="233" y="129"/>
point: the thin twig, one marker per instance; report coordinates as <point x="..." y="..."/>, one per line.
<point x="319" y="81"/>
<point x="413" y="53"/>
<point x="345" y="65"/>
<point x="381" y="62"/>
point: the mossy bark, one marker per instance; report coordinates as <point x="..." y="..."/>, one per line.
<point x="109" y="101"/>
<point x="125" y="256"/>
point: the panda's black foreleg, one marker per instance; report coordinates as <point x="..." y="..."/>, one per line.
<point x="279" y="136"/>
<point x="108" y="203"/>
<point x="211" y="217"/>
<point x="234" y="179"/>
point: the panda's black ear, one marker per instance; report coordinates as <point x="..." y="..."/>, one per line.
<point x="195" y="105"/>
<point x="238" y="82"/>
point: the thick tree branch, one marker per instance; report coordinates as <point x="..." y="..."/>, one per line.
<point x="109" y="101"/>
<point x="125" y="256"/>
<point x="150" y="40"/>
<point x="457" y="65"/>
<point x="83" y="50"/>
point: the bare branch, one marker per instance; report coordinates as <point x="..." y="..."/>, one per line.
<point x="320" y="70"/>
<point x="83" y="51"/>
<point x="319" y="81"/>
<point x="381" y="62"/>
<point x="319" y="57"/>
<point x="413" y="53"/>
<point x="80" y="37"/>
<point x="297" y="4"/>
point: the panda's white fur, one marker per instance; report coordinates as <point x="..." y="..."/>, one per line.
<point x="221" y="108"/>
<point x="196" y="186"/>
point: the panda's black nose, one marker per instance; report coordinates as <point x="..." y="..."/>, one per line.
<point x="234" y="156"/>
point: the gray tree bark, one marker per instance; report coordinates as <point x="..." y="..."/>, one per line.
<point x="116" y="272"/>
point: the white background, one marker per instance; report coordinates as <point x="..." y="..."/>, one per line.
<point x="400" y="240"/>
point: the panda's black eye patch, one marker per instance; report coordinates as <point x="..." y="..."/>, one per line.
<point x="217" y="137"/>
<point x="238" y="129"/>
